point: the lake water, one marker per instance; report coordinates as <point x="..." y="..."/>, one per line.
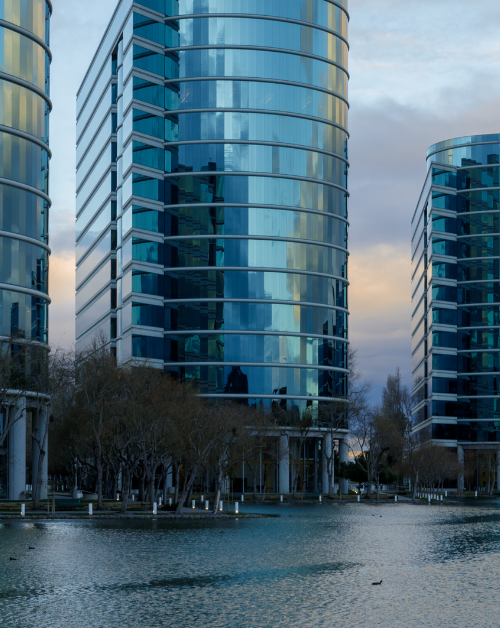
<point x="312" y="566"/>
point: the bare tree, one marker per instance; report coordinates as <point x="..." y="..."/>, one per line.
<point x="96" y="380"/>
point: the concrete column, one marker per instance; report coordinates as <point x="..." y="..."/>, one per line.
<point x="17" y="449"/>
<point x="327" y="453"/>
<point x="460" y="457"/>
<point x="40" y="419"/>
<point x="343" y="457"/>
<point x="284" y="466"/>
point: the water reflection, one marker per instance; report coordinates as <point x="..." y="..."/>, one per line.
<point x="312" y="566"/>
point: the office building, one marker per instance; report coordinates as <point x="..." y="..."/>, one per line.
<point x="456" y="297"/>
<point x="24" y="206"/>
<point x="212" y="196"/>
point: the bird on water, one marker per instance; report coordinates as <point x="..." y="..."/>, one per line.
<point x="31" y="548"/>
<point x="375" y="583"/>
<point x="13" y="558"/>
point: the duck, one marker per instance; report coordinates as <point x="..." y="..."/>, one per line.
<point x="375" y="583"/>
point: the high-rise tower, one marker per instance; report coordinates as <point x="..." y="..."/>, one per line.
<point x="456" y="296"/>
<point x="212" y="195"/>
<point x="24" y="205"/>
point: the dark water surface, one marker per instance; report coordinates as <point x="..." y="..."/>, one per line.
<point x="313" y="566"/>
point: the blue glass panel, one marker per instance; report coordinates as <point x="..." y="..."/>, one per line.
<point x="147" y="347"/>
<point x="444" y="247"/>
<point x="444" y="362"/>
<point x="444" y="431"/>
<point x="262" y="380"/>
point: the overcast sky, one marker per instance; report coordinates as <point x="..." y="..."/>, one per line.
<point x="421" y="71"/>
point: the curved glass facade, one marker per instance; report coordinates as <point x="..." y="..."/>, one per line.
<point x="456" y="292"/>
<point x="24" y="163"/>
<point x="231" y="190"/>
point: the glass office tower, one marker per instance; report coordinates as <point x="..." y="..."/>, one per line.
<point x="24" y="202"/>
<point x="456" y="295"/>
<point x="212" y="195"/>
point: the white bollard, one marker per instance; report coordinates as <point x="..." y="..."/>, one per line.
<point x="202" y="499"/>
<point x="446" y="493"/>
<point x="320" y="499"/>
<point x="236" y="505"/>
<point x="159" y="502"/>
<point x="281" y="498"/>
<point x="91" y="509"/>
<point x="193" y="503"/>
<point x="475" y="493"/>
<point x="23" y="510"/>
<point x="221" y="505"/>
<point x="441" y="498"/>
<point x="206" y="504"/>
<point x="395" y="498"/>
<point x="155" y="508"/>
<point x="169" y="501"/>
<point x="242" y="498"/>
<point x="358" y="499"/>
<point x="133" y="498"/>
<point x="429" y="499"/>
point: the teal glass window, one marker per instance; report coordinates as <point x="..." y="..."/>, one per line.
<point x="147" y="315"/>
<point x="444" y="293"/>
<point x="444" y="362"/>
<point x="444" y="270"/>
<point x="444" y="339"/>
<point x="148" y="124"/>
<point x="444" y="224"/>
<point x="444" y="177"/>
<point x="147" y="283"/>
<point x="443" y="385"/>
<point x="444" y="247"/>
<point x="441" y="200"/>
<point x="147" y="347"/>
<point x="443" y="316"/>
<point x="144" y="251"/>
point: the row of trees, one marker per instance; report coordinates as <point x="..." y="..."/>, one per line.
<point x="382" y="444"/>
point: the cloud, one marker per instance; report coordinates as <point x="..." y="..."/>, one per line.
<point x="62" y="293"/>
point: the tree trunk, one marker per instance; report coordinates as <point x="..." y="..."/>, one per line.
<point x="98" y="464"/>
<point x="41" y="458"/>
<point x="218" y="485"/>
<point x="165" y="488"/>
<point x="190" y="495"/>
<point x="188" y="485"/>
<point x="177" y="481"/>
<point x="414" y="491"/>
<point x="142" y="485"/>
<point x="125" y="489"/>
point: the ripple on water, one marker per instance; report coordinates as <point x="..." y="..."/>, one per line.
<point x="312" y="567"/>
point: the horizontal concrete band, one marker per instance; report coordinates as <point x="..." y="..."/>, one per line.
<point x="250" y="332"/>
<point x="256" y="16"/>
<point x="25" y="136"/>
<point x="313" y="367"/>
<point x="277" y="301"/>
<point x="285" y="397"/>
<point x="23" y="238"/>
<point x="26" y="188"/>
<point x="35" y="293"/>
<point x="253" y="269"/>
<point x="27" y="85"/>
<point x="26" y="33"/>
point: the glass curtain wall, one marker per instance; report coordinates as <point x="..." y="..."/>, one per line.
<point x="232" y="196"/>
<point x="24" y="161"/>
<point x="226" y="161"/>
<point x="456" y="339"/>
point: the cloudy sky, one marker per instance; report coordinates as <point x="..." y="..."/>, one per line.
<point x="421" y="71"/>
